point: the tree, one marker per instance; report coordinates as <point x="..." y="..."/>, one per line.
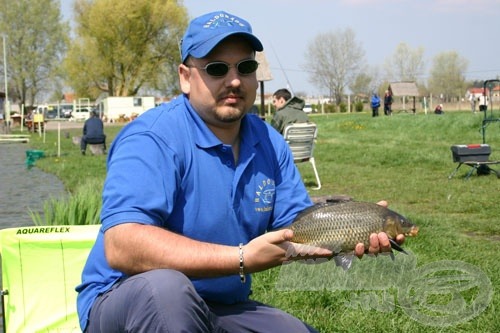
<point x="125" y="45"/>
<point x="368" y="82"/>
<point x="406" y="64"/>
<point x="334" y="60"/>
<point x="36" y="39"/>
<point x="446" y="76"/>
<point x="361" y="85"/>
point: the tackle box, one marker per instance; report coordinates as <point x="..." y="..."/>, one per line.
<point x="471" y="153"/>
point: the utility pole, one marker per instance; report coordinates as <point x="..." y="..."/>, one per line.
<point x="6" y="102"/>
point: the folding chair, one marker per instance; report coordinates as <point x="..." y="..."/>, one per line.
<point x="301" y="138"/>
<point x="41" y="266"/>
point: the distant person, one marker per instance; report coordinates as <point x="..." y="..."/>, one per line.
<point x="439" y="109"/>
<point x="289" y="110"/>
<point x="93" y="132"/>
<point x="483" y="103"/>
<point x="387" y="103"/>
<point x="472" y="99"/>
<point x="375" y="104"/>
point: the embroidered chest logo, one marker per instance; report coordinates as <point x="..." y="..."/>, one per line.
<point x="264" y="196"/>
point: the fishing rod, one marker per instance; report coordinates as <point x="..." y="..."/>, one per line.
<point x="289" y="85"/>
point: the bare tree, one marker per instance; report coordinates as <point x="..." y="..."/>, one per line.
<point x="36" y="40"/>
<point x="406" y="64"/>
<point x="334" y="60"/>
<point x="447" y="75"/>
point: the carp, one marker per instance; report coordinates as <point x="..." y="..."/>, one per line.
<point x="340" y="226"/>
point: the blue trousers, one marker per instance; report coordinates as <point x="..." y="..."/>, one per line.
<point x="92" y="140"/>
<point x="165" y="300"/>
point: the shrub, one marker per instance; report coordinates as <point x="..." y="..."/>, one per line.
<point x="358" y="106"/>
<point x="81" y="208"/>
<point x="329" y="108"/>
<point x="343" y="107"/>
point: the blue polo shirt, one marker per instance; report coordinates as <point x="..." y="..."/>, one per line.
<point x="166" y="168"/>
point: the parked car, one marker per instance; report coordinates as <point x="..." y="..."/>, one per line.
<point x="307" y="108"/>
<point x="51" y="114"/>
<point x="66" y="113"/>
<point x="81" y="113"/>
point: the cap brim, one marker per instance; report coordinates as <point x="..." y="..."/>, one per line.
<point x="206" y="47"/>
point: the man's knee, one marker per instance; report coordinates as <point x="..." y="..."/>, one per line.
<point x="166" y="287"/>
<point x="162" y="299"/>
<point x="169" y="279"/>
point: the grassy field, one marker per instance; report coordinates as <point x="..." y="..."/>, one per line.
<point x="449" y="281"/>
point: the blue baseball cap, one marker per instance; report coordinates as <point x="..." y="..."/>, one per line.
<point x="206" y="31"/>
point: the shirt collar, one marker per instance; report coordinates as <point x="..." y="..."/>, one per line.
<point x="205" y="138"/>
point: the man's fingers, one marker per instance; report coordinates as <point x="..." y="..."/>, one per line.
<point x="374" y="247"/>
<point x="383" y="203"/>
<point x="278" y="236"/>
<point x="383" y="240"/>
<point x="379" y="243"/>
<point x="359" y="250"/>
<point x="302" y="250"/>
<point x="400" y="239"/>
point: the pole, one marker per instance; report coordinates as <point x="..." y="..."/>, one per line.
<point x="262" y="101"/>
<point x="22" y="117"/>
<point x="6" y="102"/>
<point x="58" y="139"/>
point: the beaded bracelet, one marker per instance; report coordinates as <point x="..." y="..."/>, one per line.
<point x="242" y="264"/>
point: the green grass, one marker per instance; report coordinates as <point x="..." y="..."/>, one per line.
<point x="82" y="207"/>
<point x="406" y="160"/>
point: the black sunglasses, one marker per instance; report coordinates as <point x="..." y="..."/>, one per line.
<point x="219" y="68"/>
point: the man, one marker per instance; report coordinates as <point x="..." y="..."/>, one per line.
<point x="375" y="104"/>
<point x="93" y="132"/>
<point x="483" y="103"/>
<point x="439" y="109"/>
<point x="388" y="103"/>
<point x="211" y="187"/>
<point x="288" y="110"/>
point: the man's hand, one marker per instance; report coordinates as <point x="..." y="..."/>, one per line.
<point x="275" y="247"/>
<point x="378" y="242"/>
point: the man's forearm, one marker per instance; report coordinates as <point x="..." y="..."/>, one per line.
<point x="135" y="248"/>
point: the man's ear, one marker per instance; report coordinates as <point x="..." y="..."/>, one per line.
<point x="184" y="75"/>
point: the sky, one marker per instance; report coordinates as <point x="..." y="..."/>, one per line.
<point x="287" y="27"/>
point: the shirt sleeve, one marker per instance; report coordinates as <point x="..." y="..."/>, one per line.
<point x="139" y="187"/>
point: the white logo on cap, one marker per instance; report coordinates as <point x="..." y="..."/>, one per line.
<point x="222" y="20"/>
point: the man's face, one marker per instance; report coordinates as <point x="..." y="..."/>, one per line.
<point x="220" y="100"/>
<point x="278" y="102"/>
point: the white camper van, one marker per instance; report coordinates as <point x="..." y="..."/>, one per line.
<point x="116" y="108"/>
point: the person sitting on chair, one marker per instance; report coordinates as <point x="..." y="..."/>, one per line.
<point x="439" y="109"/>
<point x="288" y="110"/>
<point x="93" y="132"/>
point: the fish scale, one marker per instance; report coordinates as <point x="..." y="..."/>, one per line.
<point x="340" y="226"/>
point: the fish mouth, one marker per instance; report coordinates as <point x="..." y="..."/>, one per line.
<point x="413" y="231"/>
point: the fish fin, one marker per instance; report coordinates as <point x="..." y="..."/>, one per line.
<point x="389" y="254"/>
<point x="396" y="246"/>
<point x="344" y="260"/>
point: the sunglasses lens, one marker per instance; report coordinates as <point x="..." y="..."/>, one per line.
<point x="247" y="67"/>
<point x="217" y="69"/>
